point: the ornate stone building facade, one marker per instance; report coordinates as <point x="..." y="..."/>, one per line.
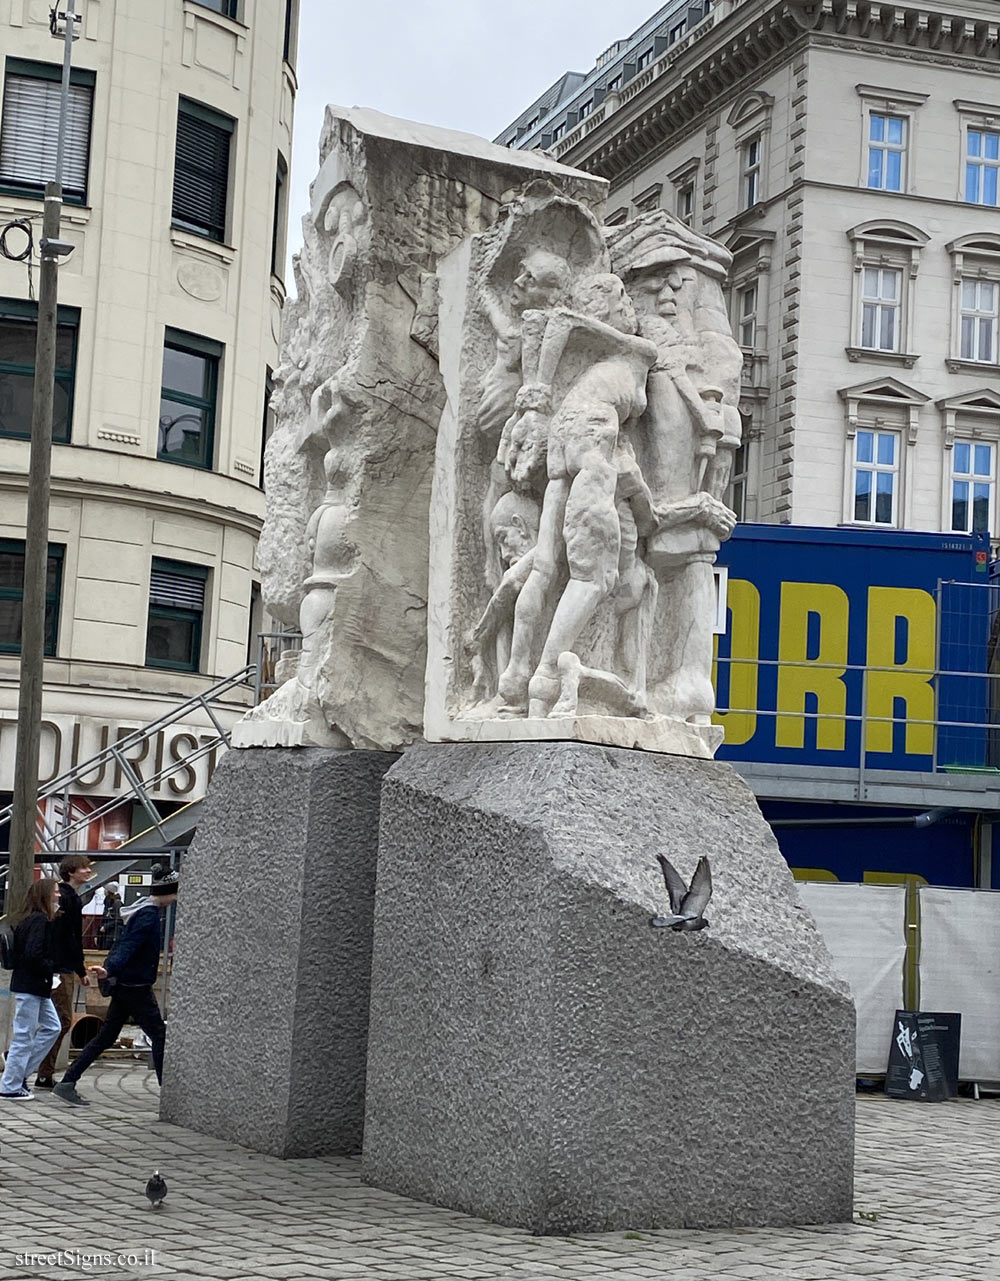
<point x="170" y="306"/>
<point x="847" y="153"/>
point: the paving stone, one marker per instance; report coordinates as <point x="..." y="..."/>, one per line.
<point x="929" y="1176"/>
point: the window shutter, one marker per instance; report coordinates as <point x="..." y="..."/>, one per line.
<point x="30" y="135"/>
<point x="176" y="591"/>
<point x="201" y="174"/>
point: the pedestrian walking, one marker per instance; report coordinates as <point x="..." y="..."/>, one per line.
<point x="128" y="976"/>
<point x="111" y="920"/>
<point x="36" y="1023"/>
<point x="75" y="871"/>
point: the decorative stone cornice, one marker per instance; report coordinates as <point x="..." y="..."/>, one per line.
<point x="734" y="47"/>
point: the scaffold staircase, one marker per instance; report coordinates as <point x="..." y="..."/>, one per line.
<point x="164" y="830"/>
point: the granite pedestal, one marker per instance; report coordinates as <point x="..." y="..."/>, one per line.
<point x="540" y="1056"/>
<point x="268" y="1019"/>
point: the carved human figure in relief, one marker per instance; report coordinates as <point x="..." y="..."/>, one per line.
<point x="542" y="281"/>
<point x="691" y="429"/>
<point x="582" y="444"/>
<point x="514" y="532"/>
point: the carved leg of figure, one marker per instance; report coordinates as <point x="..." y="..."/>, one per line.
<point x="687" y="692"/>
<point x="592" y="535"/>
<point x="635" y="605"/>
<point x="635" y="624"/>
<point x="532" y="603"/>
<point x="316" y="608"/>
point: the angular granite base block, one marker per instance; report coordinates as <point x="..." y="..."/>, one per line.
<point x="540" y="1056"/>
<point x="268" y="1018"/>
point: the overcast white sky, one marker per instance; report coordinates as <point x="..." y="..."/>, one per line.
<point x="462" y="64"/>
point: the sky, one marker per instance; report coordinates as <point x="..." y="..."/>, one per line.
<point x="472" y="65"/>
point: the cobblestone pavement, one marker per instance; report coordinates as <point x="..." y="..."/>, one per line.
<point x="927" y="1201"/>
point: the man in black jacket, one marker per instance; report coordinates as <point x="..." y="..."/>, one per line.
<point x="75" y="871"/>
<point x="130" y="971"/>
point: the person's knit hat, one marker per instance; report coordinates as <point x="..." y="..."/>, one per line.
<point x="168" y="884"/>
<point x="113" y="887"/>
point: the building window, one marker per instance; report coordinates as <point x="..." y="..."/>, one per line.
<point x="228" y="8"/>
<point x="886" y="152"/>
<point x="29" y="130"/>
<point x="881" y="300"/>
<point x="291" y="40"/>
<point x="18" y="327"/>
<point x="748" y="316"/>
<point x="188" y="399"/>
<point x="737" y="497"/>
<point x="685" y="204"/>
<point x="558" y="131"/>
<point x="979" y="314"/>
<point x="675" y="33"/>
<point x="201" y="170"/>
<point x="876" y="471"/>
<point x="12" y="593"/>
<point x="585" y="108"/>
<point x="269" y="421"/>
<point x="616" y="83"/>
<point x="752" y="154"/>
<point x="280" y="218"/>
<point x="972" y="473"/>
<point x="176" y="610"/>
<point x="644" y="58"/>
<point x="982" y="161"/>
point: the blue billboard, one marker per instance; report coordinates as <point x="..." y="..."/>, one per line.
<point x="855" y="646"/>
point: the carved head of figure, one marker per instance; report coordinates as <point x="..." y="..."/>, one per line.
<point x="660" y="288"/>
<point x="514" y="527"/>
<point x="603" y="296"/>
<point x="542" y="281"/>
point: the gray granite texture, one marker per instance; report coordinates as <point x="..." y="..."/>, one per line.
<point x="541" y="1057"/>
<point x="268" y="1018"/>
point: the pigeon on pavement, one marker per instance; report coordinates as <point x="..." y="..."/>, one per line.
<point x="687" y="906"/>
<point x="156" y="1190"/>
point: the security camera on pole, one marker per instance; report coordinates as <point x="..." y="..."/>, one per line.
<point x="29" y="710"/>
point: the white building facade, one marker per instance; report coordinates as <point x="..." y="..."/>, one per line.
<point x="169" y="314"/>
<point x="848" y="155"/>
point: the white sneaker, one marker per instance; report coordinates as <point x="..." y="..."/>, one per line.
<point x="19" y="1096"/>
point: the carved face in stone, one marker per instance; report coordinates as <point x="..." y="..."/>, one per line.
<point x="604" y="298"/>
<point x="657" y="290"/>
<point x="542" y="281"/>
<point x="514" y="525"/>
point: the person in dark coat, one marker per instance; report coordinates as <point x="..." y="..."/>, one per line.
<point x="36" y="1023"/>
<point x="111" y="920"/>
<point x="75" y="871"/>
<point x="129" y="972"/>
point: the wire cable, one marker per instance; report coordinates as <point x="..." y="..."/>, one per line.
<point x="26" y="254"/>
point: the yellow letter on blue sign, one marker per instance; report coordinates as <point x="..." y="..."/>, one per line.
<point x="830" y="605"/>
<point x="909" y="680"/>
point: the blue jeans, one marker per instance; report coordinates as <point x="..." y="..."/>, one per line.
<point x="36" y="1027"/>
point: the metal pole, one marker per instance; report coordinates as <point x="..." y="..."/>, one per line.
<point x="36" y="547"/>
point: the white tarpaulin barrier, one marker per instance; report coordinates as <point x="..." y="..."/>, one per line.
<point x="960" y="971"/>
<point x="864" y="926"/>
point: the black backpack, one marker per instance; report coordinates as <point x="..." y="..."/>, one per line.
<point x="6" y="947"/>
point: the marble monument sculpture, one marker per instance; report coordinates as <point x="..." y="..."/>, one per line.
<point x="576" y="394"/>
<point x="583" y="455"/>
<point x="494" y="498"/>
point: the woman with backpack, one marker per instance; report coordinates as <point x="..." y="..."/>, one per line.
<point x="36" y="1023"/>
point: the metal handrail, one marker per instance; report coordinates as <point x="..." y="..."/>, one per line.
<point x="115" y="752"/>
<point x="53" y="841"/>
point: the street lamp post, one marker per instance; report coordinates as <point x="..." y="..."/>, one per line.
<point x="36" y="549"/>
